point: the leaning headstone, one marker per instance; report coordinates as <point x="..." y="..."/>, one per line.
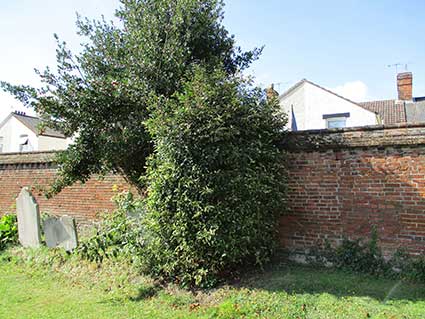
<point x="71" y="229"/>
<point x="60" y="232"/>
<point x="28" y="219"/>
<point x="54" y="232"/>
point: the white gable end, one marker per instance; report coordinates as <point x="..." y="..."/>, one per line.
<point x="317" y="108"/>
<point x="322" y="103"/>
<point x="13" y="133"/>
<point x="294" y="105"/>
<point x="18" y="134"/>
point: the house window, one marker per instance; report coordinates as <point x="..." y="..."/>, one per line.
<point x="1" y="144"/>
<point x="338" y="120"/>
<point x="24" y="143"/>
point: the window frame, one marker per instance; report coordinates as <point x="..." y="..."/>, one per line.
<point x="24" y="147"/>
<point x="337" y="117"/>
<point x="336" y="120"/>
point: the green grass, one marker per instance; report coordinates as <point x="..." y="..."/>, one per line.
<point x="33" y="284"/>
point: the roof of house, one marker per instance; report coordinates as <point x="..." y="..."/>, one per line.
<point x="298" y="84"/>
<point x="390" y="111"/>
<point x="33" y="123"/>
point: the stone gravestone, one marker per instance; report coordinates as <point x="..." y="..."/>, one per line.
<point x="28" y="219"/>
<point x="60" y="232"/>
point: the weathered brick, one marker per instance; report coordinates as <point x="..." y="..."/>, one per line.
<point x="371" y="177"/>
<point x="36" y="171"/>
<point x="343" y="184"/>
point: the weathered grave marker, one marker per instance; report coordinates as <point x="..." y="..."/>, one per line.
<point x="60" y="232"/>
<point x="28" y="219"/>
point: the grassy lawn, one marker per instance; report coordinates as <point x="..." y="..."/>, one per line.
<point x="31" y="290"/>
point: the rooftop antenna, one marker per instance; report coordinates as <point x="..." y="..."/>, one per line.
<point x="399" y="65"/>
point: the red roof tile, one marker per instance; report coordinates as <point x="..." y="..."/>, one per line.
<point x="390" y="111"/>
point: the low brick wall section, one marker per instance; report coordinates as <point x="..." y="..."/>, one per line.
<point x="344" y="182"/>
<point x="341" y="183"/>
<point x="37" y="171"/>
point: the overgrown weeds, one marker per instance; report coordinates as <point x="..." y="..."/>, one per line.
<point x="8" y="230"/>
<point x="366" y="257"/>
<point x="119" y="234"/>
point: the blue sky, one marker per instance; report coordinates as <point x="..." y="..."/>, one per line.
<point x="334" y="42"/>
<point x="342" y="45"/>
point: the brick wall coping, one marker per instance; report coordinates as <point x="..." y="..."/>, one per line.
<point x="309" y="140"/>
<point x="367" y="136"/>
<point x="27" y="158"/>
<point x="362" y="128"/>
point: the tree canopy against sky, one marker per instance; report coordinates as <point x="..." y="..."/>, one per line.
<point x="103" y="95"/>
<point x="161" y="98"/>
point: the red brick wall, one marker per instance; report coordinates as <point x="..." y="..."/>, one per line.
<point x="341" y="183"/>
<point x="82" y="201"/>
<point x="369" y="178"/>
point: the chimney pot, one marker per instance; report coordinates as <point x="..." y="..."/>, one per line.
<point x="404" y="86"/>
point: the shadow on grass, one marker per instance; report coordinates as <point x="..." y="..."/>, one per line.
<point x="5" y="256"/>
<point x="146" y="292"/>
<point x="300" y="279"/>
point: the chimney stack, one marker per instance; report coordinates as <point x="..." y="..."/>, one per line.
<point x="271" y="92"/>
<point x="404" y="86"/>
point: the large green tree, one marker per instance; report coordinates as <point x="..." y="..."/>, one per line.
<point x="161" y="98"/>
<point x="216" y="180"/>
<point x="104" y="94"/>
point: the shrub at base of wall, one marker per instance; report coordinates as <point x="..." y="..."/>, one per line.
<point x="367" y="257"/>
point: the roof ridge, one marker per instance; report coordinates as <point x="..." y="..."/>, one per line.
<point x="374" y="101"/>
<point x="332" y="92"/>
<point x="324" y="89"/>
<point x="292" y="88"/>
<point x="32" y="122"/>
<point x="33" y="129"/>
<point x="24" y="115"/>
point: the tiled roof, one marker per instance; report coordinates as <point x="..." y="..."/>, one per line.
<point x="33" y="123"/>
<point x="390" y="111"/>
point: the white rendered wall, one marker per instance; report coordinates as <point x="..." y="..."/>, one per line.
<point x="11" y="132"/>
<point x="310" y="103"/>
<point x="320" y="102"/>
<point x="47" y="143"/>
<point x="297" y="99"/>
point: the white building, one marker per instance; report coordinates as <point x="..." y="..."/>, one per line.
<point x="20" y="133"/>
<point x="310" y="106"/>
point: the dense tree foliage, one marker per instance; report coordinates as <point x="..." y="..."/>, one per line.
<point x="104" y="94"/>
<point x="162" y="99"/>
<point x="216" y="181"/>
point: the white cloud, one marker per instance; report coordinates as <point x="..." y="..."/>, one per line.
<point x="356" y="91"/>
